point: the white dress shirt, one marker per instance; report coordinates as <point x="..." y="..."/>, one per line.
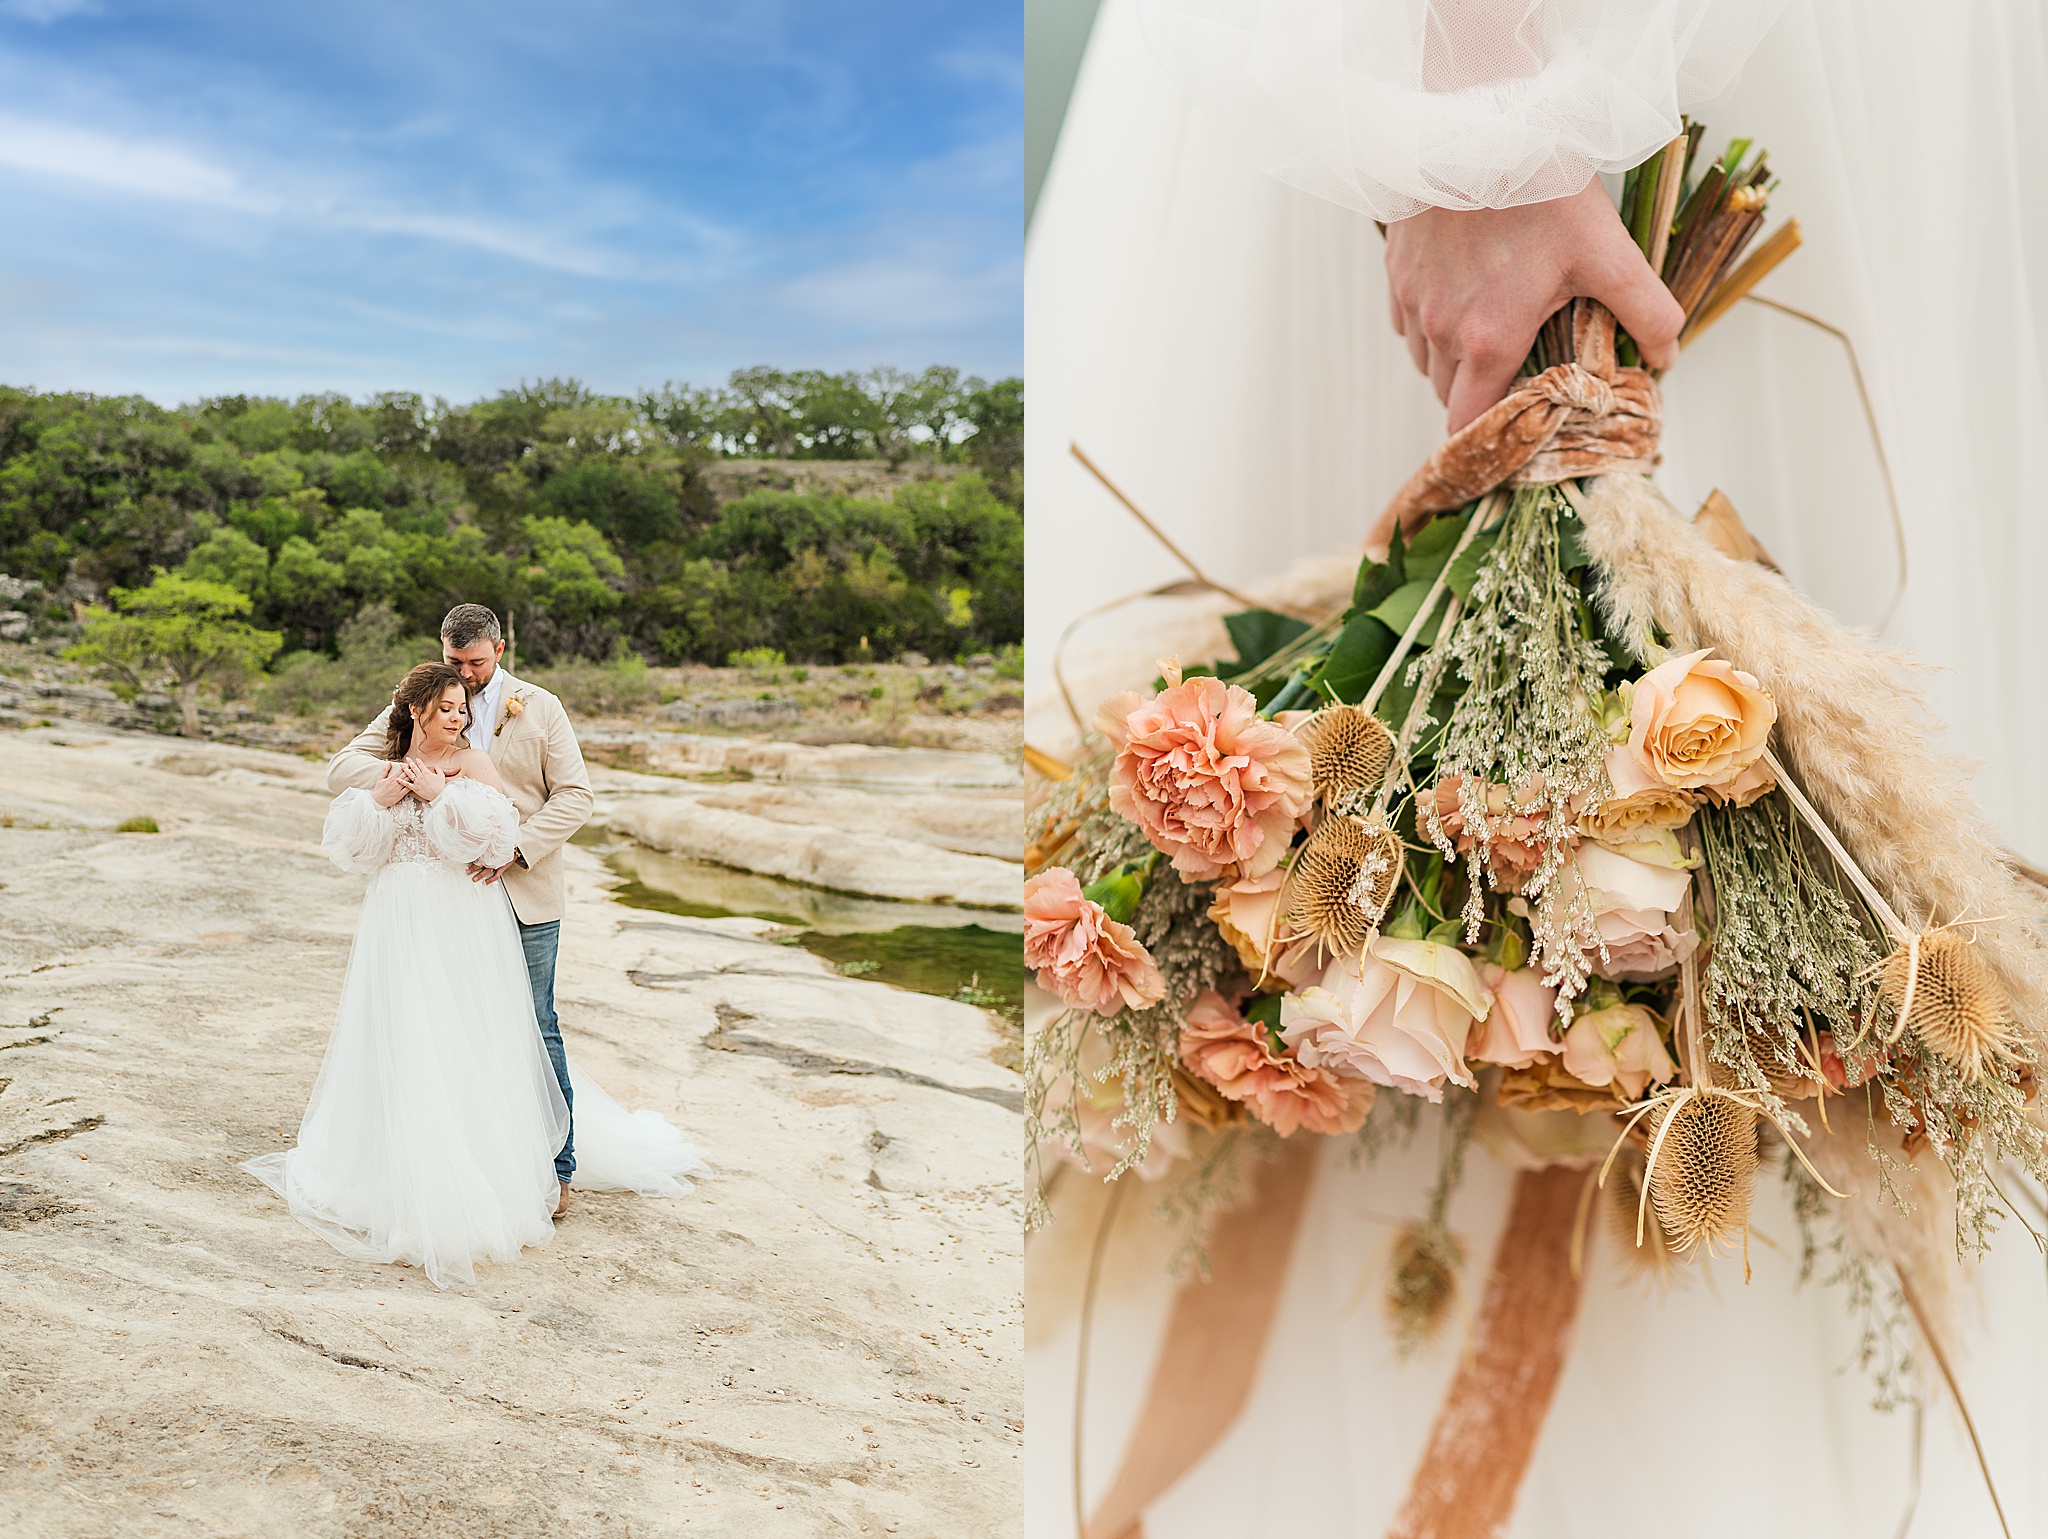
<point x="483" y="711"/>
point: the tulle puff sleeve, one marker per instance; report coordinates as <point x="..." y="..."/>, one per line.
<point x="471" y="823"/>
<point x="1394" y="106"/>
<point x="358" y="832"/>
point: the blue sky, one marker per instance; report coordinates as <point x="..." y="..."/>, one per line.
<point x="228" y="195"/>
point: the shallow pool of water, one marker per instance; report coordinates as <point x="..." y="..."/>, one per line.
<point x="957" y="953"/>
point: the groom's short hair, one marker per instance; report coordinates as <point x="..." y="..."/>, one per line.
<point x="467" y="624"/>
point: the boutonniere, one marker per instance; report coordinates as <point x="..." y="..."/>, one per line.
<point x="512" y="709"/>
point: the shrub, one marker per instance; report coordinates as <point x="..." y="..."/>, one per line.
<point x="375" y="654"/>
<point x="611" y="688"/>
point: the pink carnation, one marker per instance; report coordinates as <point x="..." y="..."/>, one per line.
<point x="1208" y="781"/>
<point x="1080" y="953"/>
<point x="1236" y="1056"/>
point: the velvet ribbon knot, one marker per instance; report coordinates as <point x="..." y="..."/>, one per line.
<point x="1583" y="418"/>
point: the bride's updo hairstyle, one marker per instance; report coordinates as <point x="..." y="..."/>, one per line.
<point x="417" y="691"/>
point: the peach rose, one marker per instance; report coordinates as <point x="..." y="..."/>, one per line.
<point x="1640" y="802"/>
<point x="1634" y="901"/>
<point x="1207" y="780"/>
<point x="1752" y="785"/>
<point x="1235" y="1055"/>
<point x="1515" y="852"/>
<point x="1618" y="1047"/>
<point x="1401" y="1020"/>
<point x="1243" y="912"/>
<point x="1697" y="721"/>
<point x="1516" y="1031"/>
<point x="1080" y="953"/>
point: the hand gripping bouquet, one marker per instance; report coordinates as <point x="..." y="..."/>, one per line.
<point x="1571" y="813"/>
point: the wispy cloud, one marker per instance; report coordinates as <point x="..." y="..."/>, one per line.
<point x="461" y="196"/>
<point x="82" y="158"/>
<point x="43" y="12"/>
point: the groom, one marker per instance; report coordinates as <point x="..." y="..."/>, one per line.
<point x="527" y="734"/>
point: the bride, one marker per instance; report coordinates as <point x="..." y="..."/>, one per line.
<point x="433" y="1125"/>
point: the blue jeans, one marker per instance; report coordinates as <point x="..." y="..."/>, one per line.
<point x="540" y="942"/>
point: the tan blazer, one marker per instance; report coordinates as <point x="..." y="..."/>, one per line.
<point x="538" y="759"/>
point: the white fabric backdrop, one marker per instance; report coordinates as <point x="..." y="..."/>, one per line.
<point x="1218" y="342"/>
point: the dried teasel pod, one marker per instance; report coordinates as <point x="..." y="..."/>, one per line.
<point x="1422" y="1283"/>
<point x="1937" y="983"/>
<point x="1652" y="1259"/>
<point x="1348" y="752"/>
<point x="1703" y="1167"/>
<point x="1341" y="883"/>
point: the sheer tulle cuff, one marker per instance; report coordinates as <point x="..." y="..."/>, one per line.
<point x="1391" y="107"/>
<point x="472" y="824"/>
<point x="358" y="833"/>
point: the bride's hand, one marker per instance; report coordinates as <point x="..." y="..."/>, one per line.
<point x="427" y="781"/>
<point x="391" y="787"/>
<point x="1469" y="289"/>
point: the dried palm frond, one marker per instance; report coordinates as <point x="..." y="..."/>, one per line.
<point x="1341" y="883"/>
<point x="1938" y="984"/>
<point x="1348" y="752"/>
<point x="1702" y="1172"/>
<point x="1862" y="744"/>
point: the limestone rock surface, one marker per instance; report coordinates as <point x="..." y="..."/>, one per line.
<point x="825" y="1339"/>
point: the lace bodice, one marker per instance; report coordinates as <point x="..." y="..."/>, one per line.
<point x="468" y="822"/>
<point x="409" y="842"/>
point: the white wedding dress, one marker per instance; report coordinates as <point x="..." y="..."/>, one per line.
<point x="1206" y="316"/>
<point x="432" y="1129"/>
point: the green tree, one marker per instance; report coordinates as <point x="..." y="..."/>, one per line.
<point x="183" y="627"/>
<point x="230" y="557"/>
<point x="995" y="447"/>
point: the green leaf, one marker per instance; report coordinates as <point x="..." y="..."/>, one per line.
<point x="1362" y="649"/>
<point x="1400" y="608"/>
<point x="1374" y="582"/>
<point x="1265" y="1010"/>
<point x="1465" y="570"/>
<point x="1258" y="634"/>
<point x="1433" y="546"/>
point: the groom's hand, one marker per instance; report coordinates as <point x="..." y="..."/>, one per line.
<point x="489" y="874"/>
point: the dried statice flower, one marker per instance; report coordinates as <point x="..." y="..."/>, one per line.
<point x="1208" y="1186"/>
<point x="1533" y="672"/>
<point x="1869" y="1286"/>
<point x="1070" y="823"/>
<point x="1968" y="1123"/>
<point x="1788" y="948"/>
